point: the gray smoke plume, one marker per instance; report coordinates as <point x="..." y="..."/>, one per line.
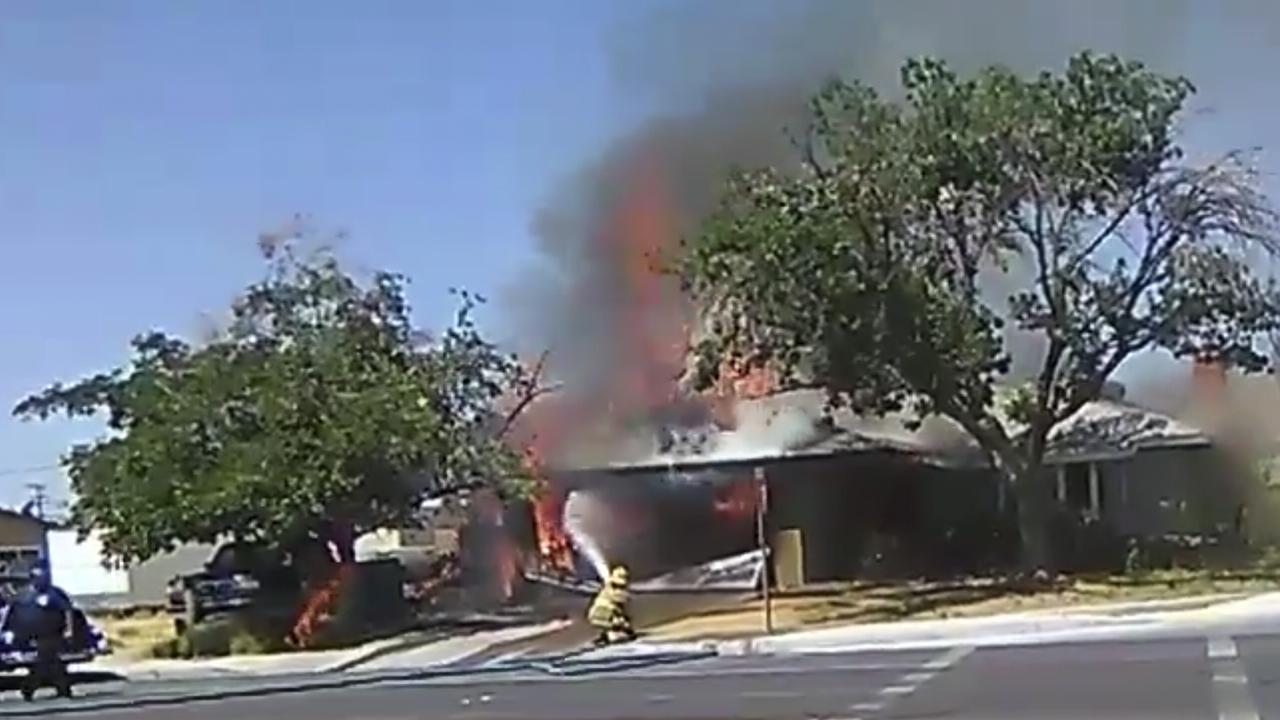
<point x="731" y="76"/>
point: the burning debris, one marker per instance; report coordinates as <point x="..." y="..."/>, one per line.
<point x="320" y="606"/>
<point x="555" y="550"/>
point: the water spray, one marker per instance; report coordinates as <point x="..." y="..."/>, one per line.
<point x="579" y="509"/>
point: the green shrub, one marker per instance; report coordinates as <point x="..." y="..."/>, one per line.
<point x="220" y="637"/>
<point x="244" y="642"/>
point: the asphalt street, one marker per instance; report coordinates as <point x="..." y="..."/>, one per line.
<point x="1223" y="677"/>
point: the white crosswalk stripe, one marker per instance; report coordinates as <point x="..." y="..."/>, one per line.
<point x="909" y="683"/>
<point x="1230" y="681"/>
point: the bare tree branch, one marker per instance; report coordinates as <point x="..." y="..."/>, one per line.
<point x="530" y="389"/>
<point x="1121" y="216"/>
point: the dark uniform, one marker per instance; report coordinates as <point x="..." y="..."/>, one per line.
<point x="41" y="615"/>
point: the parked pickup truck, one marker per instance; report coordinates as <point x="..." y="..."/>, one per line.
<point x="237" y="577"/>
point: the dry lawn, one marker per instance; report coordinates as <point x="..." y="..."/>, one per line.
<point x="135" y="635"/>
<point x="868" y="603"/>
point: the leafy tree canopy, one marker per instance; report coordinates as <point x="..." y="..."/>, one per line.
<point x="864" y="272"/>
<point x="321" y="406"/>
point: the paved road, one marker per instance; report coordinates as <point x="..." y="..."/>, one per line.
<point x="1217" y="678"/>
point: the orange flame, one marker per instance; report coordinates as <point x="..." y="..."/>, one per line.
<point x="654" y="342"/>
<point x="742" y="380"/>
<point x="649" y="354"/>
<point x="508" y="567"/>
<point x="737" y="499"/>
<point x="319" y="606"/>
<point x="554" y="549"/>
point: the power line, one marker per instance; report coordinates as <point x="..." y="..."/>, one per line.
<point x="7" y="472"/>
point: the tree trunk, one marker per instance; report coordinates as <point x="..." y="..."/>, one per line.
<point x="1034" y="515"/>
<point x="339" y="540"/>
<point x="1020" y="466"/>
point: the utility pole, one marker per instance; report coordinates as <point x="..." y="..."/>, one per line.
<point x="36" y="508"/>
<point x="762" y="541"/>
<point x="38" y="498"/>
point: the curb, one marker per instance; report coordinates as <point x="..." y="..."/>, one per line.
<point x="1129" y="615"/>
<point x="1031" y="634"/>
<point x="554" y="667"/>
<point x="620" y="664"/>
<point x="393" y="648"/>
<point x="568" y="665"/>
<point x="379" y="650"/>
<point x="333" y="683"/>
<point x="1121" y="609"/>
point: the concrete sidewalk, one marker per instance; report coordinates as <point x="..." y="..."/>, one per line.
<point x="452" y="650"/>
<point x="1070" y="624"/>
<point x="1103" y="622"/>
<point x="414" y="651"/>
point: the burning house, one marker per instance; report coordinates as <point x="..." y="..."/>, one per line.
<point x="633" y="470"/>
<point x="859" y="498"/>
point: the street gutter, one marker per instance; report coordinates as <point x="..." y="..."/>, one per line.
<point x="565" y="667"/>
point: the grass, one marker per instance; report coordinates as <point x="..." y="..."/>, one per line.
<point x="222" y="636"/>
<point x="852" y="603"/>
<point x="134" y="635"/>
<point x="150" y="634"/>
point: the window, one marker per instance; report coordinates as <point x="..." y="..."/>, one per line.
<point x="1076" y="487"/>
<point x="1080" y="488"/>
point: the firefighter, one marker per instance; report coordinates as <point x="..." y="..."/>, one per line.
<point x="609" y="611"/>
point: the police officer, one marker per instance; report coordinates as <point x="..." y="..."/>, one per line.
<point x="44" y="616"/>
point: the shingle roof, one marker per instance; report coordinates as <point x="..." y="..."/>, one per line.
<point x="770" y="430"/>
<point x="19" y="515"/>
<point x="1108" y="427"/>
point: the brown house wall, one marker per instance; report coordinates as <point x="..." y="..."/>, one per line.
<point x="869" y="516"/>
<point x="1176" y="490"/>
<point x="885" y="516"/>
<point x="16" y="531"/>
<point x="874" y="515"/>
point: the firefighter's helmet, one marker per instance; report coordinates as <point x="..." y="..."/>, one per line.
<point x="618" y="576"/>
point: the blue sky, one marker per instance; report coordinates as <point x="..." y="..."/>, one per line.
<point x="143" y="146"/>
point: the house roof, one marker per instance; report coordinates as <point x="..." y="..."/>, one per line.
<point x="798" y="424"/>
<point x="19" y="515"/>
<point x="1111" y="428"/>
<point x="1100" y="429"/>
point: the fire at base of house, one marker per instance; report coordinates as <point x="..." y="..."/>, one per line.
<point x="855" y="498"/>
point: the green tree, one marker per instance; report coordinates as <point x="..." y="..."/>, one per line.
<point x="319" y="413"/>
<point x="863" y="269"/>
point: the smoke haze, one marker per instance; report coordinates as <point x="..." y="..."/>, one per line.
<point x="729" y="77"/>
